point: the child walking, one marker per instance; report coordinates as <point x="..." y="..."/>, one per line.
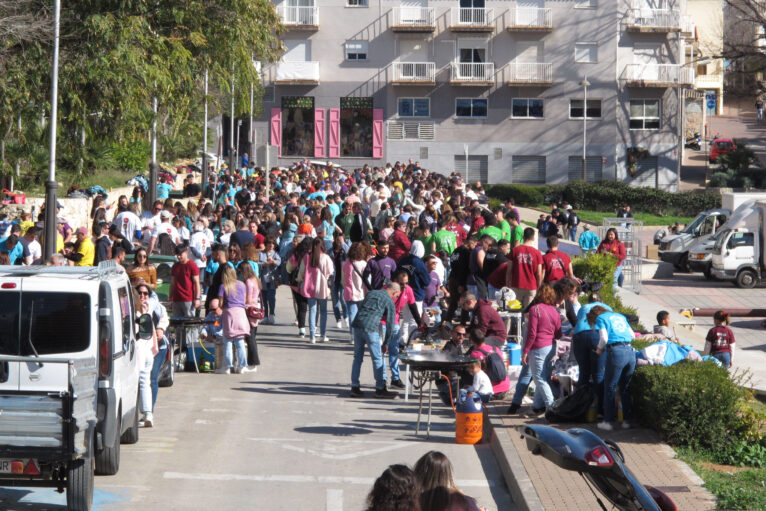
<point x="720" y="340"/>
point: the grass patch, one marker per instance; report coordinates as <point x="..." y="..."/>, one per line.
<point x="107" y="178"/>
<point x="734" y="487"/>
<point x="597" y="217"/>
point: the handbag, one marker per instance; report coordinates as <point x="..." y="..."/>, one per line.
<point x="255" y="312"/>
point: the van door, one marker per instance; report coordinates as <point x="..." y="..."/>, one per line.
<point x="10" y="312"/>
<point x="125" y="357"/>
<point x="741" y="247"/>
<point x="56" y="324"/>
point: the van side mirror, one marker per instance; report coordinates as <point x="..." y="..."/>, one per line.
<point x="145" y="327"/>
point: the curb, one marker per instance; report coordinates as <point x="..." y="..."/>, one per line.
<point x="517" y="479"/>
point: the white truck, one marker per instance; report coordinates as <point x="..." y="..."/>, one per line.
<point x="675" y="249"/>
<point x="68" y="376"/>
<point x="738" y="254"/>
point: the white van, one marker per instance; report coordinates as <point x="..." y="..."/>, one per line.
<point x="68" y="376"/>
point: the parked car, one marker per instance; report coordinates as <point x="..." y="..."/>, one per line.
<point x="719" y="147"/>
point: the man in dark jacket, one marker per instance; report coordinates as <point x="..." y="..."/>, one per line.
<point x="359" y="227"/>
<point x="485" y="318"/>
<point x="416" y="269"/>
<point x="456" y="283"/>
<point x="380" y="268"/>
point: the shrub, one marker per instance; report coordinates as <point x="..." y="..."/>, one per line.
<point x="528" y="196"/>
<point x="131" y="156"/>
<point x="692" y="404"/>
<point x="600" y="268"/>
<point x="742" y="453"/>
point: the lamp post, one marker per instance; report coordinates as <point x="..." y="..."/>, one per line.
<point x="51" y="186"/>
<point x="585" y="83"/>
<point x="232" y="162"/>
<point x="239" y="125"/>
<point x="204" y="141"/>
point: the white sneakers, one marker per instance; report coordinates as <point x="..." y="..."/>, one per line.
<point x="340" y="324"/>
<point x="346" y="322"/>
<point x="302" y="332"/>
<point x="313" y="340"/>
<point x="625" y="425"/>
<point x="606" y="426"/>
<point x="223" y="370"/>
<point x="326" y="339"/>
<point x="148" y="420"/>
<point x="272" y="320"/>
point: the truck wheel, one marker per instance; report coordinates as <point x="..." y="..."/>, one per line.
<point x="746" y="279"/>
<point x="131" y="435"/>
<point x="79" y="481"/>
<point x="108" y="459"/>
<point x="683" y="263"/>
<point x="708" y="272"/>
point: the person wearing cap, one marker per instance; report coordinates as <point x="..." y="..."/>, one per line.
<point x="165" y="227"/>
<point x="84" y="251"/>
<point x="588" y="240"/>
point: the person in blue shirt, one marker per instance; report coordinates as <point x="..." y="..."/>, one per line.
<point x="163" y="190"/>
<point x="588" y="240"/>
<point x="615" y="335"/>
<point x="245" y="160"/>
<point x="12" y="247"/>
<point x="584" y="344"/>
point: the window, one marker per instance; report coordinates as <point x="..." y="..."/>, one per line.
<point x="356" y="50"/>
<point x="356" y="3"/>
<point x="594" y="168"/>
<point x="644" y="114"/>
<point x="586" y="53"/>
<point x="297" y="126"/>
<point x="127" y="316"/>
<point x="356" y="126"/>
<point x="523" y="108"/>
<point x="467" y="107"/>
<point x="414" y="107"/>
<point x="268" y="94"/>
<point x="586" y="4"/>
<point x="575" y="109"/>
<point x="528" y="170"/>
<point x="741" y="239"/>
<point x="476" y="169"/>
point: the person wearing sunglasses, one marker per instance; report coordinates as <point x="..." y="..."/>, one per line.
<point x="146" y="349"/>
<point x="142" y="270"/>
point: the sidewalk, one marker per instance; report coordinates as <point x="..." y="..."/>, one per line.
<point x="537" y="484"/>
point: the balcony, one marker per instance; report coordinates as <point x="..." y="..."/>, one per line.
<point x="653" y="21"/>
<point x="413" y="19"/>
<point x="470" y="73"/>
<point x="297" y="73"/>
<point x="299" y="18"/>
<point x="530" y="73"/>
<point x="530" y="19"/>
<point x="708" y="81"/>
<point x="476" y="19"/>
<point x="657" y="75"/>
<point x="688" y="28"/>
<point x="414" y="73"/>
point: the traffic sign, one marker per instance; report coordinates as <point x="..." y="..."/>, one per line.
<point x="711" y="104"/>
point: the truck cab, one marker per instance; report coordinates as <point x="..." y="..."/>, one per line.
<point x="736" y="256"/>
<point x="674" y="249"/>
<point x="68" y="376"/>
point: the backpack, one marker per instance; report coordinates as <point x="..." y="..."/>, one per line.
<point x="293" y="277"/>
<point x="495" y="367"/>
<point x="574" y="220"/>
<point x="165" y="245"/>
<point x="571" y="408"/>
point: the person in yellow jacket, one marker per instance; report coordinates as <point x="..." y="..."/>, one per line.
<point x="84" y="251"/>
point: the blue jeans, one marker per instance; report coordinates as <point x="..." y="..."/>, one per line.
<point x="572" y="234"/>
<point x="393" y="355"/>
<point x="159" y="359"/>
<point x="725" y="358"/>
<point x="591" y="364"/>
<point x="372" y="340"/>
<point x="618" y="278"/>
<point x="525" y="378"/>
<point x="339" y="308"/>
<point x="270" y="302"/>
<point x="538" y="368"/>
<point x="352" y="307"/>
<point x="620" y="364"/>
<point x="313" y="302"/>
<point x="228" y="360"/>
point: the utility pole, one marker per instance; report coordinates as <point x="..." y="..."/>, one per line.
<point x="232" y="163"/>
<point x="152" y="193"/>
<point x="51" y="186"/>
<point x="204" y="141"/>
<point x="585" y="83"/>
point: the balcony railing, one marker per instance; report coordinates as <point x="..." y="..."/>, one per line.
<point x="414" y="72"/>
<point x="708" y="81"/>
<point x="297" y="72"/>
<point x="687" y="26"/>
<point x="471" y="73"/>
<point x="657" y="75"/>
<point x="471" y="19"/>
<point x="530" y="18"/>
<point x="530" y="73"/>
<point x="653" y="20"/>
<point x="299" y="17"/>
<point x="413" y="19"/>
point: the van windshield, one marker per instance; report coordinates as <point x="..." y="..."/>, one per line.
<point x="717" y="248"/>
<point x="60" y="323"/>
<point x="694" y="224"/>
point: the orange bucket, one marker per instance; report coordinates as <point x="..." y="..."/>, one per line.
<point x="469" y="427"/>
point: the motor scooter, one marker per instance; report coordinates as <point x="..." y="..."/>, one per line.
<point x="694" y="142"/>
<point x="600" y="462"/>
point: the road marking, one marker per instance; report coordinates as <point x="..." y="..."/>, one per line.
<point x="285" y="478"/>
<point x="334" y="500"/>
<point x="216" y="410"/>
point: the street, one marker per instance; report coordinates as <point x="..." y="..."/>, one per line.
<point x="284" y="438"/>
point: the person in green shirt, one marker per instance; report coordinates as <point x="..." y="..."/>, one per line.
<point x="517" y="231"/>
<point x="491" y="229"/>
<point x="345" y="219"/>
<point x="502" y="223"/>
<point x="443" y="239"/>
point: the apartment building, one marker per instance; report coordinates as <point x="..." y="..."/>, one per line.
<point x="493" y="89"/>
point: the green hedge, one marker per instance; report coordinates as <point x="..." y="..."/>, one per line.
<point x="608" y="196"/>
<point x="694" y="404"/>
<point x="600" y="268"/>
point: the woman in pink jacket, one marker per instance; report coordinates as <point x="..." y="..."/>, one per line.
<point x="354" y="286"/>
<point x="314" y="276"/>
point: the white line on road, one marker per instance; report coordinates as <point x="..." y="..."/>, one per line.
<point x="284" y="478"/>
<point x="334" y="500"/>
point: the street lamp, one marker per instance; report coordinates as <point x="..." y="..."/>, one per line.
<point x="239" y="125"/>
<point x="585" y="84"/>
<point x="51" y="211"/>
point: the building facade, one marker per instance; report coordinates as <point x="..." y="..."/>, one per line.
<point x="493" y="89"/>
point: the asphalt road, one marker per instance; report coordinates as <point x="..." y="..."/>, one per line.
<point x="284" y="438"/>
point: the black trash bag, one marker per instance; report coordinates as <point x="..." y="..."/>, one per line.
<point x="571" y="408"/>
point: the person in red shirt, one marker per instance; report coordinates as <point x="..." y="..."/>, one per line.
<point x="556" y="264"/>
<point x="720" y="340"/>
<point x="477" y="221"/>
<point x="185" y="289"/>
<point x="612" y="245"/>
<point x="455" y="228"/>
<point x="524" y="273"/>
<point x="399" y="245"/>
